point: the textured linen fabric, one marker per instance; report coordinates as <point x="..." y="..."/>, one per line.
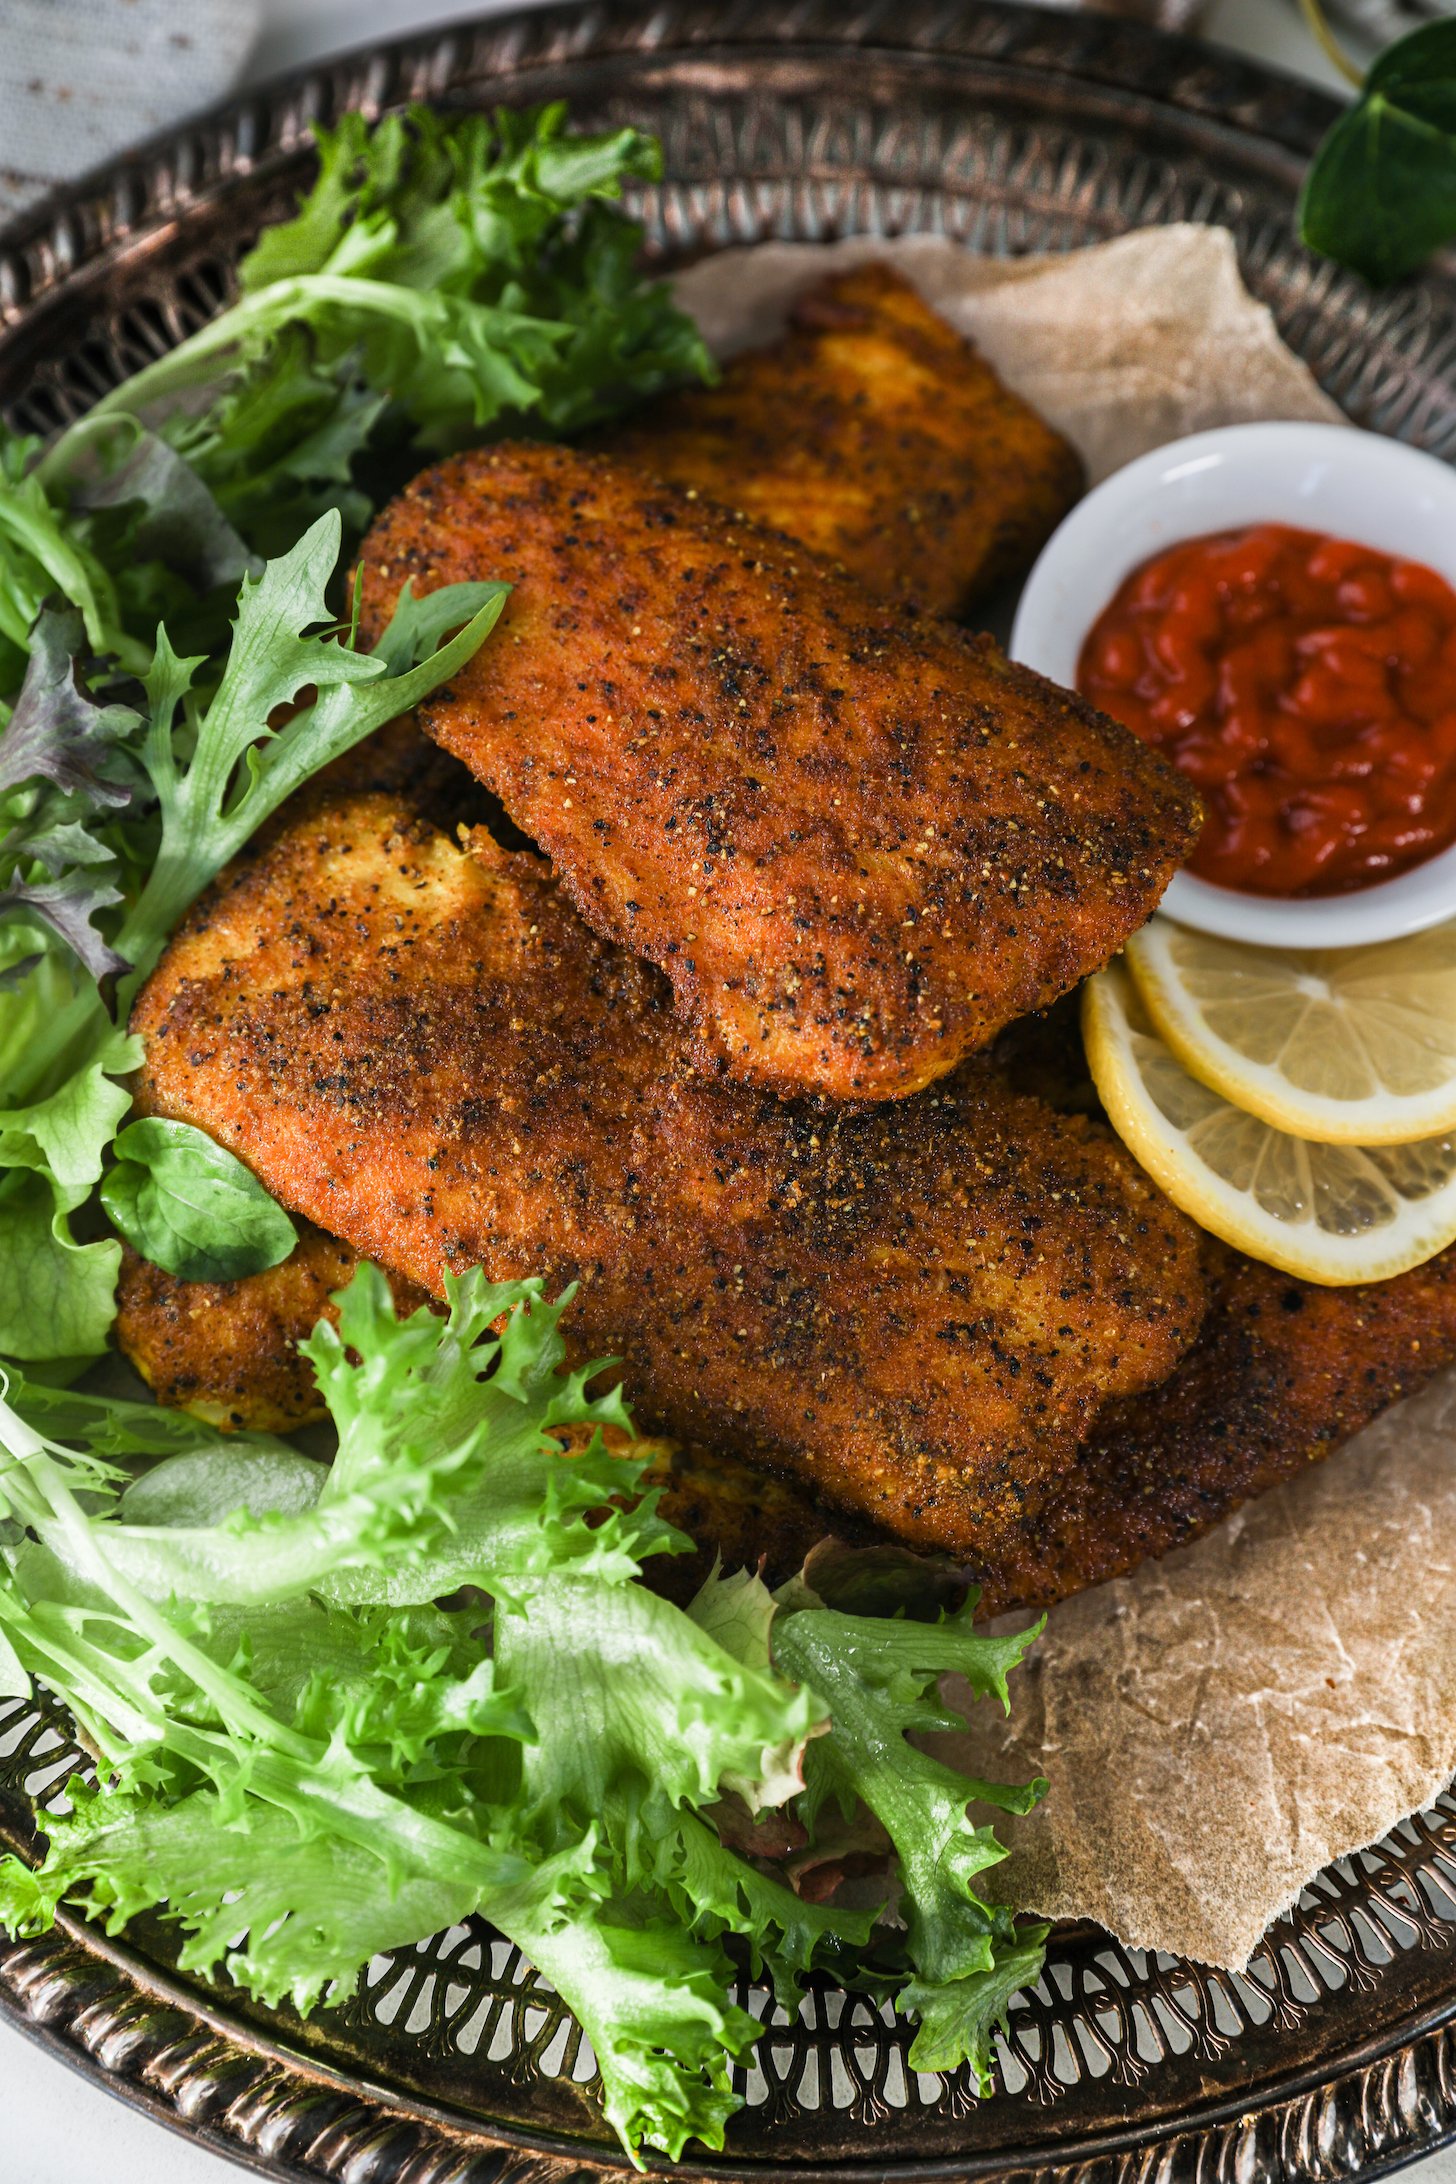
<point x="80" y="80"/>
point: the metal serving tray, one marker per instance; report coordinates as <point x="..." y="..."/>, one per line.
<point x="1012" y="129"/>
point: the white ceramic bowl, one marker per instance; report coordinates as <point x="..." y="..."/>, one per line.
<point x="1327" y="478"/>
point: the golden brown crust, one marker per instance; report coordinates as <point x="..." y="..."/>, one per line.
<point x="917" y="1308"/>
<point x="1282" y="1373"/>
<point x="227" y="1351"/>
<point x="857" y="843"/>
<point x="876" y="434"/>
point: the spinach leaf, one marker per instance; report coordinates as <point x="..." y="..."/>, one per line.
<point x="191" y="1207"/>
<point x="1381" y="194"/>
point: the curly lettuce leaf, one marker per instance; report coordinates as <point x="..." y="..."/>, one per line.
<point x="446" y="276"/>
<point x="219" y="769"/>
<point x="305" y="1767"/>
<point x="881" y="1681"/>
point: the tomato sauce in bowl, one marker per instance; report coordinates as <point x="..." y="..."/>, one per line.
<point x="1307" y="685"/>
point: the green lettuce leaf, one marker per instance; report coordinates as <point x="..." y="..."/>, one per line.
<point x="118" y="821"/>
<point x="445" y="277"/>
<point x="219" y="770"/>
<point x="881" y="1681"/>
<point x="66" y="1134"/>
<point x="57" y="1292"/>
<point x="304" y="1766"/>
<point x="187" y="1204"/>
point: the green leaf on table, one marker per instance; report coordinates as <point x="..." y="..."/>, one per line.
<point x="188" y="1205"/>
<point x="1380" y="195"/>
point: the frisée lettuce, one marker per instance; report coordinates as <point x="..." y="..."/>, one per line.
<point x="445" y="278"/>
<point x="304" y="1760"/>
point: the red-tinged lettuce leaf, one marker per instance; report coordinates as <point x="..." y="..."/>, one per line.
<point x="58" y="732"/>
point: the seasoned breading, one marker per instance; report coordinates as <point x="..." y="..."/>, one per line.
<point x="228" y="1352"/>
<point x="919" y="1309"/>
<point x="876" y="434"/>
<point x="857" y="843"/>
<point x="1282" y="1372"/>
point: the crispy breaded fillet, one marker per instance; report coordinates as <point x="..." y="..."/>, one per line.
<point x="874" y="432"/>
<point x="228" y="1352"/>
<point x="917" y="1309"/>
<point x="1282" y="1372"/>
<point x="857" y="843"/>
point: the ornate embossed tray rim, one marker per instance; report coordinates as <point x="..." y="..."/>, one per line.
<point x="1011" y="128"/>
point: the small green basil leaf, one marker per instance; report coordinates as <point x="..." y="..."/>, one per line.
<point x="192" y="1208"/>
<point x="1381" y="194"/>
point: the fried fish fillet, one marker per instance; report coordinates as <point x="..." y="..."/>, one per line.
<point x="876" y="434"/>
<point x="857" y="843"/>
<point x="1282" y="1372"/>
<point x="917" y="1309"/>
<point x="228" y="1352"/>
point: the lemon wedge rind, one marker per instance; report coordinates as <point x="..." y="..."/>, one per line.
<point x="1331" y="1214"/>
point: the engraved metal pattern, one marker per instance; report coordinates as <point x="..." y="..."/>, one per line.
<point x="1012" y="129"/>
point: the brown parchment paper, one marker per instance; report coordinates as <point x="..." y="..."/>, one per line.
<point x="1222" y="1724"/>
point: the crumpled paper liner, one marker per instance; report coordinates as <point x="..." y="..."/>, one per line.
<point x="1222" y="1724"/>
<point x="1122" y="347"/>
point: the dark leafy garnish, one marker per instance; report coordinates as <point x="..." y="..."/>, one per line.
<point x="1381" y="194"/>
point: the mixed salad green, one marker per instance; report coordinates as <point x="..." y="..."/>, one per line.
<point x="337" y="1706"/>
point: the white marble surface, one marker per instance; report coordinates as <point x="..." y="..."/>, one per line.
<point x="55" y="2127"/>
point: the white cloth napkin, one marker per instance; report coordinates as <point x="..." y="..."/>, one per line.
<point x="80" y="80"/>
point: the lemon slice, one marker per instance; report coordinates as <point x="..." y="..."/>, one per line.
<point x="1351" y="1046"/>
<point x="1329" y="1213"/>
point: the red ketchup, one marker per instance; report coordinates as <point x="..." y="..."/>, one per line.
<point x="1308" y="686"/>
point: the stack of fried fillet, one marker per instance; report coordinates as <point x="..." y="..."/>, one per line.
<point x="738" y="1042"/>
